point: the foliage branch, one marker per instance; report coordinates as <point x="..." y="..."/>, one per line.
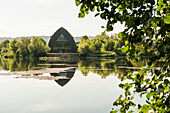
<point x="146" y="22"/>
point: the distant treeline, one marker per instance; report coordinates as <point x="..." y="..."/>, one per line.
<point x="46" y="38"/>
<point x="25" y="47"/>
<point x="100" y="46"/>
<point x="104" y="46"/>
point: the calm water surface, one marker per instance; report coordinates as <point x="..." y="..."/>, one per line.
<point x="91" y="87"/>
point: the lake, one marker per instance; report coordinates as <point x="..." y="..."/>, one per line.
<point x="87" y="86"/>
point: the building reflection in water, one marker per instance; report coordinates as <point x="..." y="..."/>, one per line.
<point x="64" y="77"/>
<point x="61" y="78"/>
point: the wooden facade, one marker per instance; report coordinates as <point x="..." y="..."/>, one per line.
<point x="62" y="42"/>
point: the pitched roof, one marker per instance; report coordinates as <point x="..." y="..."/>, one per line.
<point x="67" y="35"/>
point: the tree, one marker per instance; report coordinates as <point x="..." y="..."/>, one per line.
<point x="22" y="46"/>
<point x="83" y="48"/>
<point x="101" y="45"/>
<point x="95" y="45"/>
<point x="12" y="46"/>
<point x="4" y="47"/>
<point x="38" y="47"/>
<point x="25" y="41"/>
<point x="146" y="22"/>
<point x="5" y="43"/>
<point x="84" y="38"/>
<point x="108" y="45"/>
<point x="4" y="50"/>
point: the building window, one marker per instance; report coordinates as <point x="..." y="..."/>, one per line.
<point x="62" y="47"/>
<point x="61" y="38"/>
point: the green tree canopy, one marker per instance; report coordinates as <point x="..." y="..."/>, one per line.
<point x="84" y="38"/>
<point x="38" y="47"/>
<point x="5" y="43"/>
<point x="24" y="47"/>
<point x="12" y="45"/>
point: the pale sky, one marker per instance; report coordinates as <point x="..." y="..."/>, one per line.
<point x="44" y="17"/>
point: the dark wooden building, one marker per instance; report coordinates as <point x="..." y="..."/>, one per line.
<point x="62" y="42"/>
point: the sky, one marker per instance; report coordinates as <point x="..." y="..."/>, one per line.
<point x="44" y="17"/>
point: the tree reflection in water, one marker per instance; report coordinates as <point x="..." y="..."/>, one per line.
<point x="105" y="67"/>
<point x="20" y="64"/>
<point x="102" y="67"/>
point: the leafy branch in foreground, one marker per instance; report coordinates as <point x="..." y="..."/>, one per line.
<point x="146" y="22"/>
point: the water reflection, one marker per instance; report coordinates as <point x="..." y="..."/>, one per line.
<point x="64" y="77"/>
<point x="105" y="67"/>
<point x="88" y="92"/>
<point x="102" y="67"/>
<point x="20" y="64"/>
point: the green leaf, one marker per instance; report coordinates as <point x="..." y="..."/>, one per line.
<point x="92" y="9"/>
<point x="149" y="67"/>
<point x="103" y="15"/>
<point x="131" y="111"/>
<point x="115" y="103"/>
<point x="166" y="81"/>
<point x="109" y="28"/>
<point x="121" y="7"/>
<point x="147" y="80"/>
<point x="97" y="14"/>
<point x="82" y="8"/>
<point x="124" y="49"/>
<point x="121" y="85"/>
<point x="161" y="2"/>
<point x="126" y="84"/>
<point x="150" y="94"/>
<point x="123" y="78"/>
<point x="126" y="42"/>
<point x="152" y="100"/>
<point x="119" y="98"/>
<point x="144" y="108"/>
<point x="81" y="15"/>
<point x="115" y="111"/>
<point x="77" y="3"/>
<point x="120" y="35"/>
<point x="98" y="8"/>
<point x="167" y="19"/>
